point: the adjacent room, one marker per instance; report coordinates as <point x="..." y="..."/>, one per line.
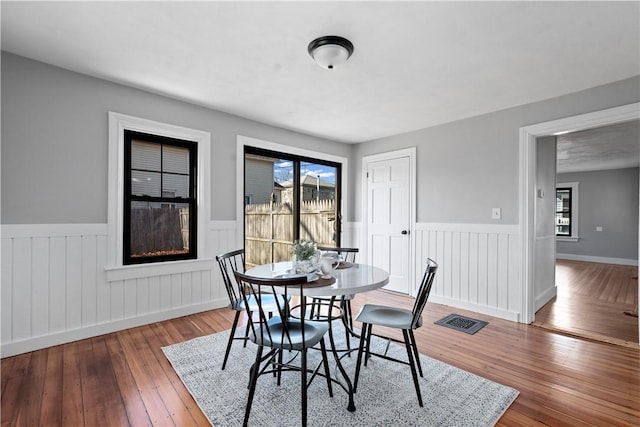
<point x="320" y="213"/>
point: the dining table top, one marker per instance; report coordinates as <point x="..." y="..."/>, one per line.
<point x="353" y="279"/>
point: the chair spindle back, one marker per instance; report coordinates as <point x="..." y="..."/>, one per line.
<point x="230" y="263"/>
<point x="423" y="292"/>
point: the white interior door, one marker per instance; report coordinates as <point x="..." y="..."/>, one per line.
<point x="388" y="220"/>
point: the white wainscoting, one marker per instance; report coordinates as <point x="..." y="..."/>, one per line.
<point x="479" y="266"/>
<point x="55" y="288"/>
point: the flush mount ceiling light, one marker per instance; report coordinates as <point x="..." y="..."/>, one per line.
<point x="330" y="51"/>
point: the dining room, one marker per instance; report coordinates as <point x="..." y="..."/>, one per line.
<point x="134" y="153"/>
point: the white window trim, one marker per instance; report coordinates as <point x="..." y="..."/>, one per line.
<point x="117" y="125"/>
<point x="574" y="186"/>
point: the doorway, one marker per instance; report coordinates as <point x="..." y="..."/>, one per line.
<point x="528" y="184"/>
<point x="595" y="242"/>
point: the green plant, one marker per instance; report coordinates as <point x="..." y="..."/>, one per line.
<point x="304" y="250"/>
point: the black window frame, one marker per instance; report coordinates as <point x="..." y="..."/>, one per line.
<point x="191" y="200"/>
<point x="569" y="210"/>
<point x="297" y="159"/>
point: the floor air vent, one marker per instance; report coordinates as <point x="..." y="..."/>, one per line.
<point x="462" y="323"/>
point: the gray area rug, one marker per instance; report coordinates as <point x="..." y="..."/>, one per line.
<point x="386" y="396"/>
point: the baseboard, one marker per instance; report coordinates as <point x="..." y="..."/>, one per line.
<point x="546" y="296"/>
<point x="490" y="311"/>
<point x="603" y="260"/>
<point x="37" y="343"/>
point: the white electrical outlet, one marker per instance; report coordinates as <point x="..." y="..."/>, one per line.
<point x="496" y="213"/>
<point x="598" y="228"/>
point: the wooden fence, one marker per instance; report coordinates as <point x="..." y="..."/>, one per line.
<point x="159" y="229"/>
<point x="269" y="229"/>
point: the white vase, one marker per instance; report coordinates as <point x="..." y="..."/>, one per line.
<point x="304" y="266"/>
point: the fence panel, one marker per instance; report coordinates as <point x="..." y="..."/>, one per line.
<point x="269" y="229"/>
<point x="156" y="229"/>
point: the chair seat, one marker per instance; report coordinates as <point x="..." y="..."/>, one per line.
<point x="391" y="317"/>
<point x="313" y="333"/>
<point x="268" y="303"/>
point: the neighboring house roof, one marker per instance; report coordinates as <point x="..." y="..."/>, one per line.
<point x="309" y="181"/>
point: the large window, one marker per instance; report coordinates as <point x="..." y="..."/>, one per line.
<point x="288" y="197"/>
<point x="567" y="211"/>
<point x="159" y="198"/>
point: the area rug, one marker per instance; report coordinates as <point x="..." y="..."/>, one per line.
<point x="386" y="395"/>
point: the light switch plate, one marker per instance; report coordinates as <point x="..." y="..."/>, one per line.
<point x="496" y="213"/>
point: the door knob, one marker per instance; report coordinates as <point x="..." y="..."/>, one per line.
<point x="405" y="232"/>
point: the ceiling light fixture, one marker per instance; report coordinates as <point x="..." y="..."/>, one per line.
<point x="330" y="51"/>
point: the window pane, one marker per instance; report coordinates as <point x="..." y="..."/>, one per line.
<point x="159" y="229"/>
<point x="563" y="200"/>
<point x="145" y="155"/>
<point x="563" y="224"/>
<point x="317" y="203"/>
<point x="175" y="159"/>
<point x="145" y="183"/>
<point x="268" y="209"/>
<point x="175" y="185"/>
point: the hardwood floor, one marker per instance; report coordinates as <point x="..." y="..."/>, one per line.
<point x="123" y="378"/>
<point x="591" y="301"/>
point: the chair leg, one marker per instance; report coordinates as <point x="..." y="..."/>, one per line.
<point x="367" y="353"/>
<point x="363" y="337"/>
<point x="345" y="306"/>
<point x="279" y="365"/>
<point x="252" y="384"/>
<point x="414" y="374"/>
<point x="415" y="352"/>
<point x="231" y="336"/>
<point x="325" y="362"/>
<point x="303" y="381"/>
<point x="350" y="316"/>
<point x="313" y="308"/>
<point x="246" y="330"/>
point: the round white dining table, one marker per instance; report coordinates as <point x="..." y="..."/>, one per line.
<point x="351" y="280"/>
<point x="354" y="279"/>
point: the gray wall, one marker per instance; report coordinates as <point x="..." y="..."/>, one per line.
<point x="54" y="142"/>
<point x="608" y="199"/>
<point x="54" y="148"/>
<point x="469" y="166"/>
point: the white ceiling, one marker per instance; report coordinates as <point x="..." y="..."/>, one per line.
<point x="415" y="65"/>
<point x="608" y="147"/>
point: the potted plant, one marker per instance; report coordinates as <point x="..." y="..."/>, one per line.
<point x="305" y="253"/>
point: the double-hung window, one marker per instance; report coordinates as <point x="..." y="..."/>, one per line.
<point x="563" y="211"/>
<point x="567" y="211"/>
<point x="160" y="209"/>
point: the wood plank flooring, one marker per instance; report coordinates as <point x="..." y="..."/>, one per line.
<point x="124" y="379"/>
<point x="591" y="301"/>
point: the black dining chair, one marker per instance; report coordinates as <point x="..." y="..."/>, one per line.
<point x="289" y="331"/>
<point x="229" y="263"/>
<point x="396" y="318"/>
<point x="347" y="255"/>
